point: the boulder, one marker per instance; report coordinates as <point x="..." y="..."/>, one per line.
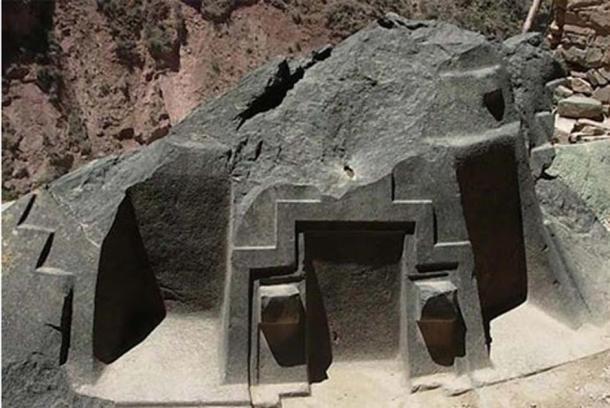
<point x="605" y="72"/>
<point x="580" y="107"/>
<point x="563" y="92"/>
<point x="579" y="85"/>
<point x="563" y="128"/>
<point x="602" y="94"/>
<point x="346" y="202"/>
<point x="596" y="78"/>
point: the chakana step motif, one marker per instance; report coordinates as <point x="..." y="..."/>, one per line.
<point x="66" y="278"/>
<point x="424" y="260"/>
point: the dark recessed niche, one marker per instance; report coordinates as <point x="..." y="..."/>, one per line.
<point x="489" y="189"/>
<point x="494" y="102"/>
<point x="349" y="267"/>
<point x="128" y="302"/>
<point x="443" y="329"/>
<point x="283" y="325"/>
<point x="66" y="327"/>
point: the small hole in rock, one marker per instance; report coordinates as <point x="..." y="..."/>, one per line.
<point x="349" y="171"/>
<point x="494" y="102"/>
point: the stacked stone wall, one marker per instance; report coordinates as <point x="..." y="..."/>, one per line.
<point x="580" y="36"/>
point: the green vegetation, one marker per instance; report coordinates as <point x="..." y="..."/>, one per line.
<point x="125" y="19"/>
<point x="8" y="195"/>
<point x="497" y="19"/>
<point x="493" y="18"/>
<point x="159" y="23"/>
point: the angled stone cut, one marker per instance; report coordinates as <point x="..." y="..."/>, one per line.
<point x="280" y="305"/>
<point x="440" y="321"/>
<point x="279" y="342"/>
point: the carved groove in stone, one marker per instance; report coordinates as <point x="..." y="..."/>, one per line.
<point x="26" y="211"/>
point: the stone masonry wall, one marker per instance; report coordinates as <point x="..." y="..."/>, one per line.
<point x="580" y="35"/>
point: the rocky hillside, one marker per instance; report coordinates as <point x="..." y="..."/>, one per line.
<point x="83" y="78"/>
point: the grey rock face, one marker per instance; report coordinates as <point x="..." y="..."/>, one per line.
<point x="373" y="201"/>
<point x="575" y="198"/>
<point x="534" y="74"/>
<point x="39" y="383"/>
<point x="580" y="107"/>
<point x="350" y="123"/>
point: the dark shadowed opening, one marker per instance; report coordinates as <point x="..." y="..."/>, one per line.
<point x="66" y="327"/>
<point x="319" y="349"/>
<point x="128" y="302"/>
<point x="46" y="250"/>
<point x="443" y="329"/>
<point x="27" y="210"/>
<point x="494" y="102"/>
<point x="273" y="94"/>
<point x="286" y="341"/>
<point x="26" y="26"/>
<point x="492" y="208"/>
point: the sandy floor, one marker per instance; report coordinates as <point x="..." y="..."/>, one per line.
<point x="582" y="383"/>
<point x="572" y="366"/>
<point x="177" y="365"/>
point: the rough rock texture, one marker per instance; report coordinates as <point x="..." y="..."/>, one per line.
<point x="85" y="288"/>
<point x="83" y="79"/>
<point x="581" y="168"/>
<point x="41" y="310"/>
<point x="532" y="70"/>
<point x="39" y="383"/>
<point x="575" y="196"/>
<point x="403" y="113"/>
<point x="580" y="107"/>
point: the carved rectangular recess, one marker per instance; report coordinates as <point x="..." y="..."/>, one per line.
<point x="354" y="306"/>
<point x="354" y="272"/>
<point x="278" y="350"/>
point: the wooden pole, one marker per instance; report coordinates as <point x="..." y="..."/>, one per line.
<point x="531" y="15"/>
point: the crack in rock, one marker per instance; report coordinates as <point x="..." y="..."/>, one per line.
<point x="278" y="86"/>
